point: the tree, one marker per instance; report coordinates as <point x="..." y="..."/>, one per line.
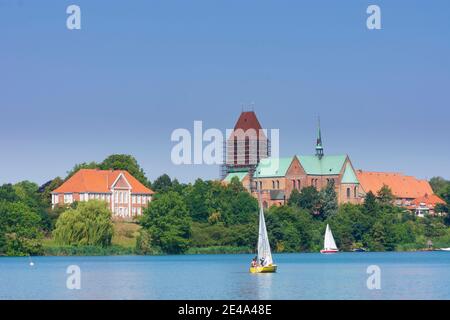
<point x="198" y="200"/>
<point x="329" y="200"/>
<point x="294" y="198"/>
<point x="89" y="224"/>
<point x="125" y="162"/>
<point x="370" y="206"/>
<point x="439" y="184"/>
<point x="78" y="167"/>
<point x="46" y="190"/>
<point x="290" y="229"/>
<point x="162" y="184"/>
<point x="382" y="236"/>
<point x="309" y="199"/>
<point x="385" y="195"/>
<point x="168" y="224"/>
<point x="20" y="232"/>
<point x="7" y="193"/>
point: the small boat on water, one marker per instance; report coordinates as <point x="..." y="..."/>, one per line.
<point x="329" y="245"/>
<point x="264" y="262"/>
<point x="359" y="250"/>
<point x="444" y="249"/>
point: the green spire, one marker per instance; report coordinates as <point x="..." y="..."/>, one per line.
<point x="319" y="147"/>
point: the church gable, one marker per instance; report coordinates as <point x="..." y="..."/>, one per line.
<point x="295" y="169"/>
<point x="121" y="183"/>
<point x="349" y="175"/>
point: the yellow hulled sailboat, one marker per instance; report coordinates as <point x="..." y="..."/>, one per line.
<point x="264" y="263"/>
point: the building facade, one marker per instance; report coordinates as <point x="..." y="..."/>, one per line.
<point x="276" y="178"/>
<point x="125" y="195"/>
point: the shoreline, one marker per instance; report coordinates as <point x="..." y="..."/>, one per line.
<point x="123" y="252"/>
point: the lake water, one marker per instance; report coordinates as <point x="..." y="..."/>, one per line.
<point x="420" y="275"/>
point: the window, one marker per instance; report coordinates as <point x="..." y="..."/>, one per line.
<point x="55" y="198"/>
<point x="138" y="199"/>
<point x="355" y="191"/>
<point x="348" y="193"/>
<point x="260" y="185"/>
<point x="108" y="198"/>
<point x="103" y="197"/>
<point x="97" y="196"/>
<point x="125" y="197"/>
<point x="81" y="196"/>
<point x="133" y="199"/>
<point x="68" y="198"/>
<point x="278" y="184"/>
<point x="120" y="197"/>
<point x="293" y="184"/>
<point x="298" y="184"/>
<point x="273" y="184"/>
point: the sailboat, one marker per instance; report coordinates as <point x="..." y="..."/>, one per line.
<point x="264" y="259"/>
<point x="329" y="246"/>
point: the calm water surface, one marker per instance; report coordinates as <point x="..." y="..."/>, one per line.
<point x="421" y="275"/>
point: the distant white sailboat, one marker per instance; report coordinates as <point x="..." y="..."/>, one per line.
<point x="329" y="246"/>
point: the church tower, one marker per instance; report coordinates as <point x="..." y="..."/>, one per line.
<point x="319" y="146"/>
<point x="246" y="146"/>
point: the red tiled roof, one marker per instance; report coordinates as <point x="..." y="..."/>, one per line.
<point x="401" y="186"/>
<point x="428" y="199"/>
<point x="248" y="120"/>
<point x="249" y="126"/>
<point x="99" y="181"/>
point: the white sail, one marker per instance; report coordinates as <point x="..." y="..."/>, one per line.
<point x="263" y="240"/>
<point x="329" y="243"/>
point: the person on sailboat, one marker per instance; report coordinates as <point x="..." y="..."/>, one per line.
<point x="255" y="262"/>
<point x="262" y="262"/>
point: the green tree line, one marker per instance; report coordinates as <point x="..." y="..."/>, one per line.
<point x="209" y="216"/>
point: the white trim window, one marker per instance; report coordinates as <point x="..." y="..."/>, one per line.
<point x="55" y="198"/>
<point x="138" y="199"/>
<point x="68" y="198"/>
<point x="133" y="199"/>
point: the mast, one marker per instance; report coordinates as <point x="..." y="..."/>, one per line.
<point x="264" y="251"/>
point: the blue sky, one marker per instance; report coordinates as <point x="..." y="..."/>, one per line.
<point x="137" y="70"/>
